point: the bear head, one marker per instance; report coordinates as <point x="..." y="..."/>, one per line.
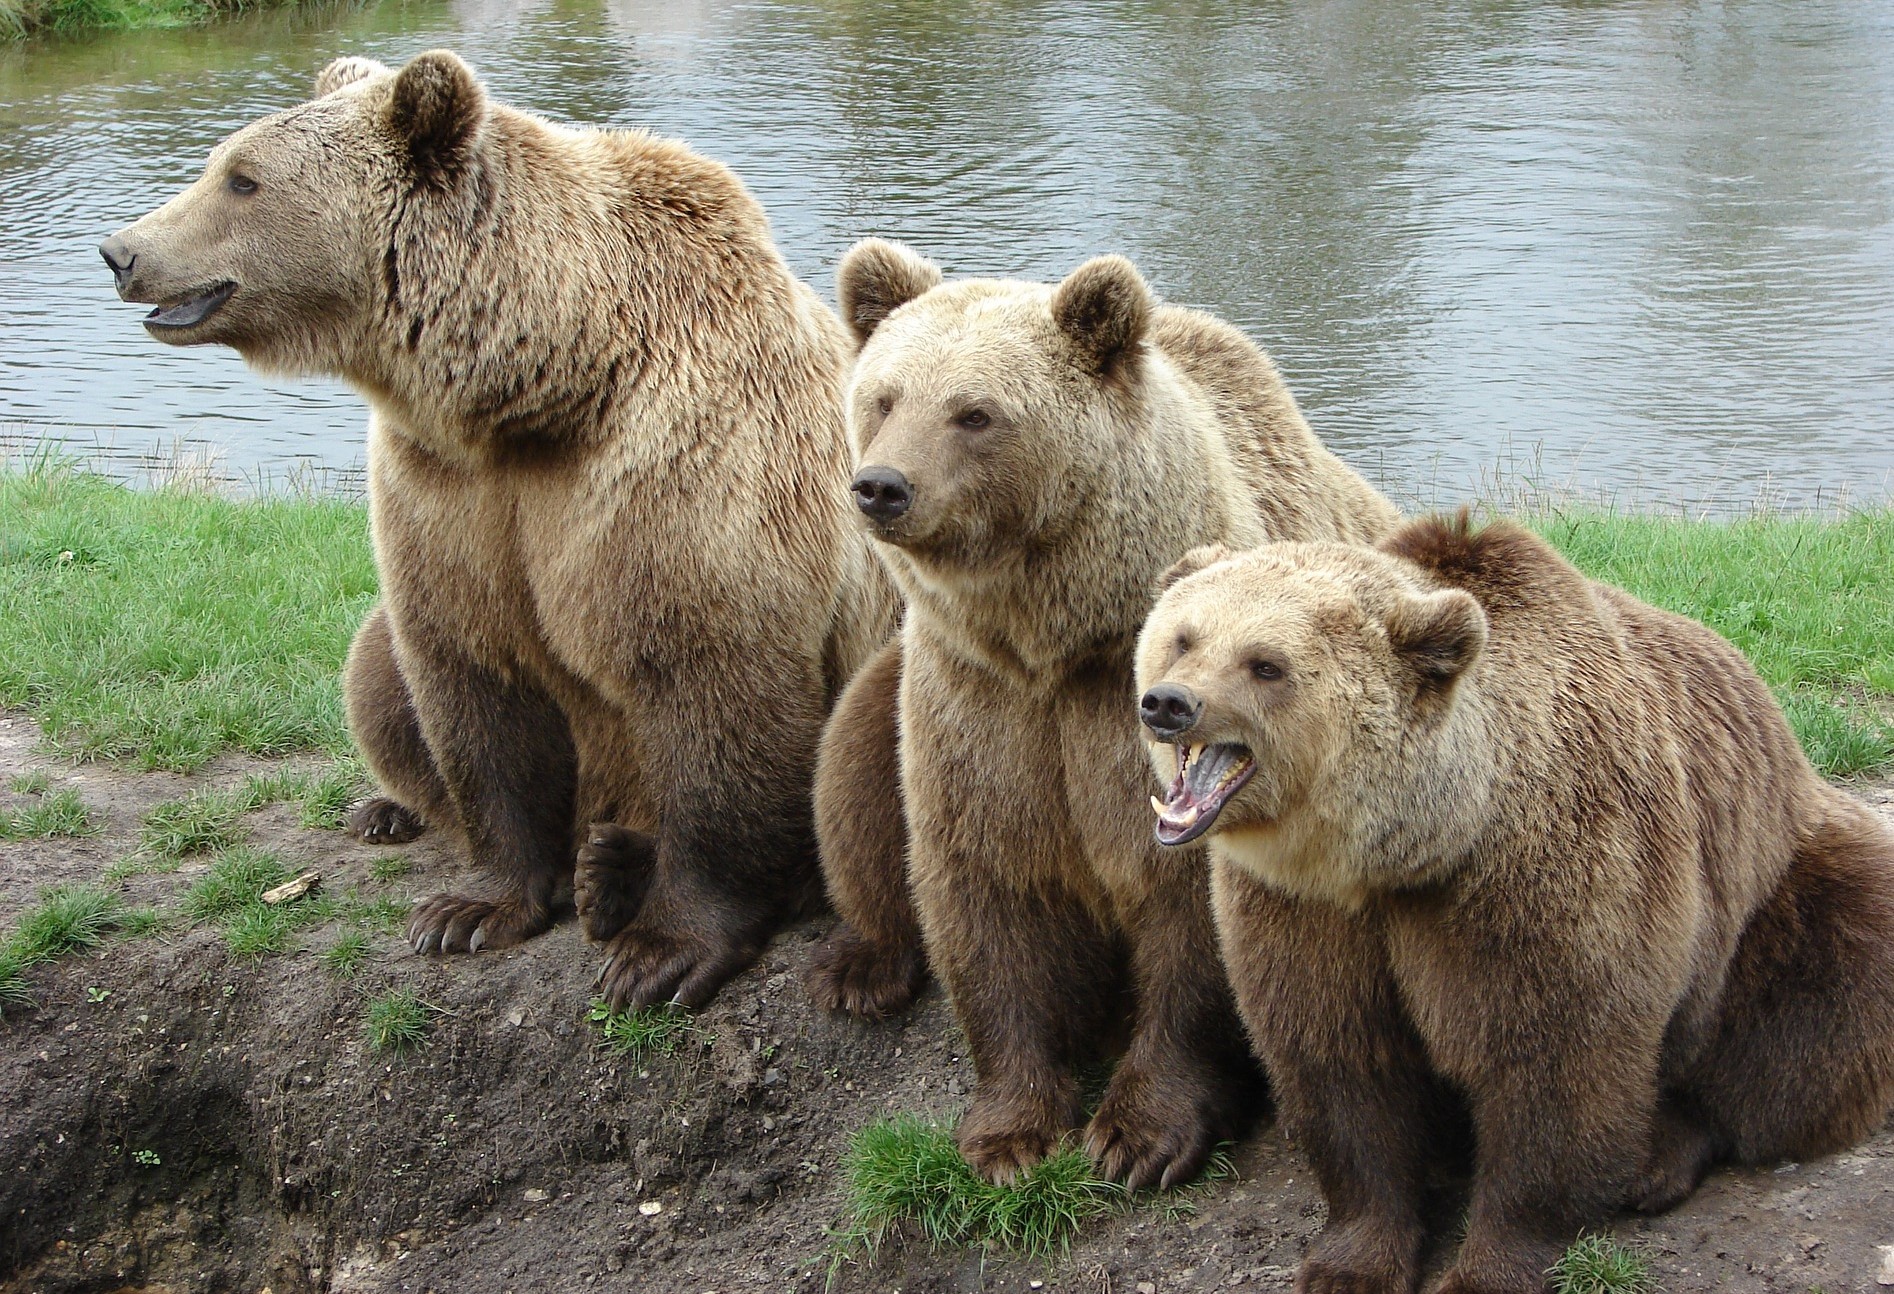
<point x="978" y="409"/>
<point x="281" y="248"/>
<point x="1306" y="707"/>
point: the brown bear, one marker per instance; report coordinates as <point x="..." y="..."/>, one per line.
<point x="1493" y="841"/>
<point x="1032" y="456"/>
<point x="621" y="579"/>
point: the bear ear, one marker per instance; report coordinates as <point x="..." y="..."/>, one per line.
<point x="877" y="278"/>
<point x="346" y="71"/>
<point x="1192" y="562"/>
<point x="1438" y="634"/>
<point x="437" y="108"/>
<point x="1104" y="307"/>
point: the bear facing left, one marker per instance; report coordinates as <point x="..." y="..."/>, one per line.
<point x="621" y="584"/>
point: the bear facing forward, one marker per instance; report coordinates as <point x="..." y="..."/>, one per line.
<point x="1490" y="838"/>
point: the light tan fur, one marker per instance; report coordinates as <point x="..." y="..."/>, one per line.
<point x="621" y="581"/>
<point x="1063" y="444"/>
<point x="1519" y="844"/>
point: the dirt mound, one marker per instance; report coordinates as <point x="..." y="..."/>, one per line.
<point x="177" y="1118"/>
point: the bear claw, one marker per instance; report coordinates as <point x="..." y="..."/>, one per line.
<point x="379" y="820"/>
<point x="868" y="980"/>
<point x="449" y="923"/>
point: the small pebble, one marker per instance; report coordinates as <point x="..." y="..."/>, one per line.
<point x="651" y="1208"/>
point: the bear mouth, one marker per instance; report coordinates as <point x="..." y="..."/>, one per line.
<point x="193" y="310"/>
<point x="1207" y="776"/>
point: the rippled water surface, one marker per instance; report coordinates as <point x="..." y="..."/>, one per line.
<point x="1645" y="248"/>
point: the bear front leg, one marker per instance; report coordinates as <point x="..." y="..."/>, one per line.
<point x="388" y="733"/>
<point x="1188" y="1080"/>
<point x="505" y="756"/>
<point x="873" y="962"/>
<point x="1352" y="1083"/>
<point x="735" y="851"/>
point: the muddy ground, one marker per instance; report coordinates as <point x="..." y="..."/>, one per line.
<point x="173" y="1119"/>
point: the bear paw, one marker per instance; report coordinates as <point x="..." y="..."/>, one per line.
<point x="1145" y="1147"/>
<point x="1681" y="1152"/>
<point x="610" y="879"/>
<point x="1001" y="1137"/>
<point x="449" y="923"/>
<point x="645" y="965"/>
<point x="869" y="980"/>
<point x="1371" y="1256"/>
<point x="378" y="820"/>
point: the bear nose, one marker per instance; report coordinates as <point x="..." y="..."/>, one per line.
<point x="881" y="492"/>
<point x="119" y="257"/>
<point x="1170" y="708"/>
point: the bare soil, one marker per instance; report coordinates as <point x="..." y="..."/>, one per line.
<point x="174" y="1119"/>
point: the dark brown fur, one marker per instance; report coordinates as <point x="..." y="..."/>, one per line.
<point x="1649" y="936"/>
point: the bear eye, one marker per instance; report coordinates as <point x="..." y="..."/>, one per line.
<point x="885" y="405"/>
<point x="1268" y="671"/>
<point x="1184" y="644"/>
<point x="242" y="184"/>
<point x="974" y="419"/>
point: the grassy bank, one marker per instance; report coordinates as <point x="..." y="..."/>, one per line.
<point x="164" y="627"/>
<point x="19" y="18"/>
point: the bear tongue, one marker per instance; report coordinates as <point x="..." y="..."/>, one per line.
<point x="1207" y="776"/>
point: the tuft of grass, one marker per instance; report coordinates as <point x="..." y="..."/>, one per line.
<point x="391" y="868"/>
<point x="165" y="626"/>
<point x="383" y="916"/>
<point x="656" y="1030"/>
<point x="33" y="783"/>
<point x="1809" y="600"/>
<point x="67" y="919"/>
<point x="236" y="879"/>
<point x="60" y="814"/>
<point x="327" y="795"/>
<point x="1598" y="1264"/>
<point x="211" y="819"/>
<point x="905" y="1171"/>
<point x="344" y="957"/>
<point x="397" y="1022"/>
<point x="258" y="928"/>
<point x="139" y="922"/>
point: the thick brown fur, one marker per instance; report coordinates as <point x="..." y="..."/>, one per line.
<point x="1064" y="444"/>
<point x="621" y="581"/>
<point x="1516" y="836"/>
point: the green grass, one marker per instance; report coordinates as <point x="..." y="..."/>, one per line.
<point x="1600" y="1265"/>
<point x="34" y="783"/>
<point x="390" y="868"/>
<point x="908" y="1172"/>
<point x="656" y="1030"/>
<point x="344" y="957"/>
<point x="397" y="1022"/>
<point x="20" y="18"/>
<point x="47" y="817"/>
<point x="236" y="879"/>
<point x="1809" y="601"/>
<point x="165" y="627"/>
<point x="67" y="919"/>
<point x="383" y="916"/>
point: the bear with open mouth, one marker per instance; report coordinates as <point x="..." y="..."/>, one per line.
<point x="1493" y="842"/>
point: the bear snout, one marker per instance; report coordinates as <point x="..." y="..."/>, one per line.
<point x="882" y="493"/>
<point x="1170" y="709"/>
<point x="120" y="258"/>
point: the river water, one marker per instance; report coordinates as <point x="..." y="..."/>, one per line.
<point x="1639" y="249"/>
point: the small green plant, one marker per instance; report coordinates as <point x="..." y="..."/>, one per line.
<point x="141" y="921"/>
<point x="326" y="796"/>
<point x="203" y="821"/>
<point x="391" y="868"/>
<point x="95" y="995"/>
<point x="1597" y="1264"/>
<point x="236" y="879"/>
<point x="34" y="783"/>
<point x="258" y="928"/>
<point x="908" y="1171"/>
<point x="397" y="1022"/>
<point x="656" y="1030"/>
<point x="67" y="919"/>
<point x="62" y="813"/>
<point x="344" y="957"/>
<point x="146" y="1158"/>
<point x="383" y="916"/>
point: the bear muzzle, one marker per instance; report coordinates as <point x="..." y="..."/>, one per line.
<point x="173" y="309"/>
